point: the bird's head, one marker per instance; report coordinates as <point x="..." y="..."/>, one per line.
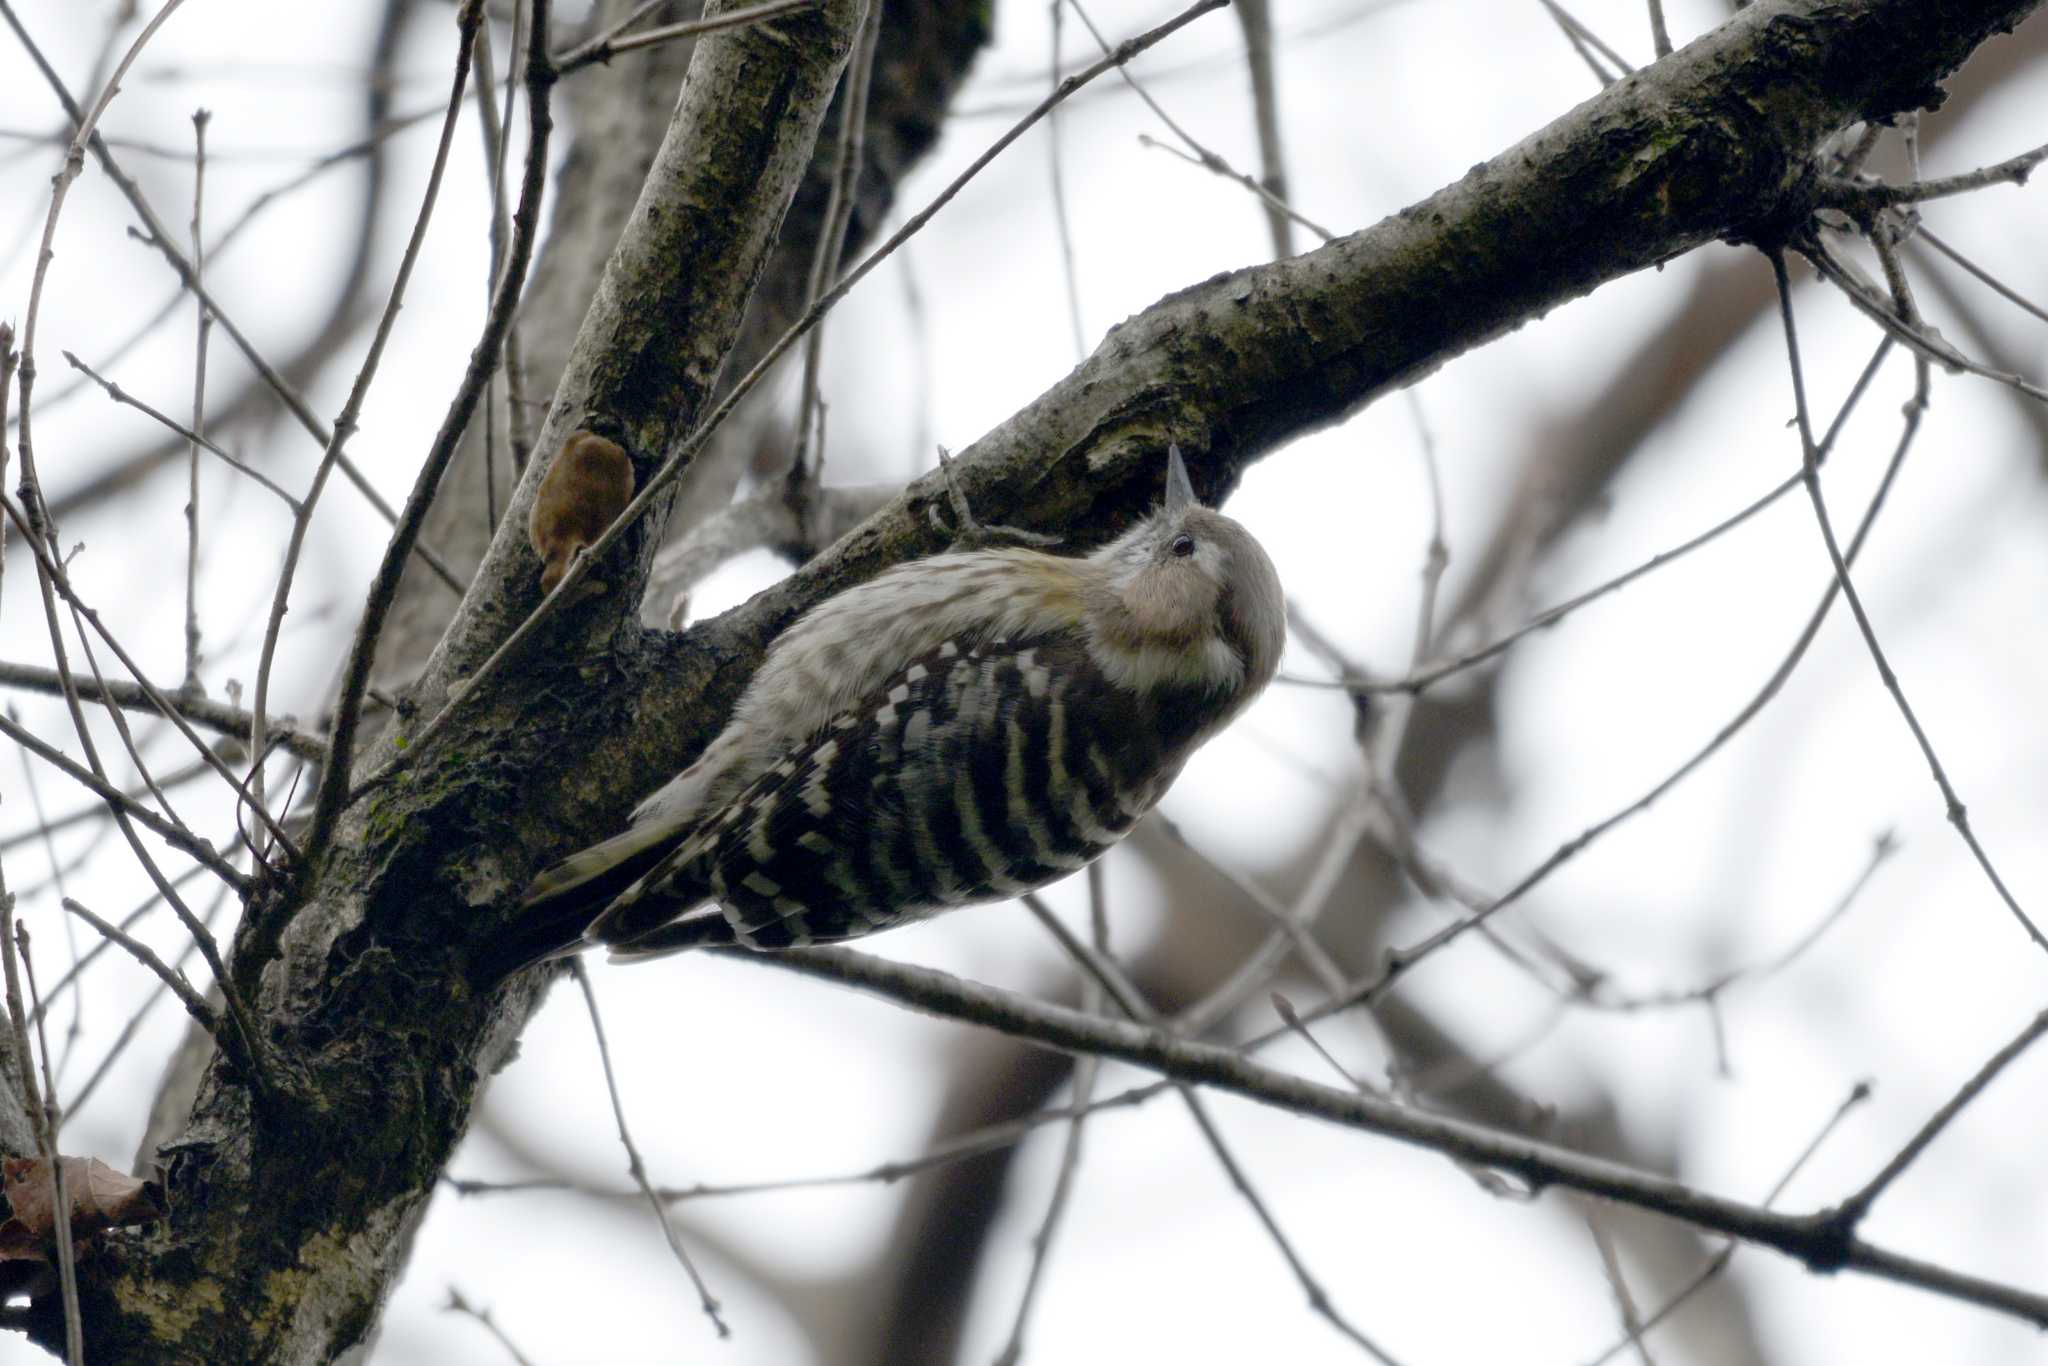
<point x="1188" y="598"/>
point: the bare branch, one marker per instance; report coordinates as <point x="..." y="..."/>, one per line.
<point x="1133" y="1005"/>
<point x="1958" y="815"/>
<point x="216" y="716"/>
<point x="1861" y="198"/>
<point x="1850" y="1213"/>
<point x="468" y="19"/>
<point x="634" y="1164"/>
<point x="1809" y="1239"/>
<point x="172" y="833"/>
<point x="610" y="45"/>
<point x="483" y="361"/>
<point x="47" y="1126"/>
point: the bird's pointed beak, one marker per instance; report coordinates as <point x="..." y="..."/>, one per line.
<point x="1179" y="492"/>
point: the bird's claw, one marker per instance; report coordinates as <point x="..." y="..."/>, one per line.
<point x="968" y="532"/>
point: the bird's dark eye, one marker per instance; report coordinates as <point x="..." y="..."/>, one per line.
<point x="1183" y="545"/>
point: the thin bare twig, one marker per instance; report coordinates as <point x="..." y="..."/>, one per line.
<point x="1578" y="32"/>
<point x="1660" y="34"/>
<point x="1610" y="1264"/>
<point x="1983" y="276"/>
<point x="800" y="485"/>
<point x="1803" y="1237"/>
<point x="1719" y="1262"/>
<point x="1201" y="155"/>
<point x="55" y="582"/>
<point x="1133" y="1004"/>
<point x="217" y="716"/>
<point x="1255" y="17"/>
<point x="1958" y="815"/>
<point x="133" y="1025"/>
<point x="1850" y="1212"/>
<point x="204" y="327"/>
<point x="500" y="229"/>
<point x="57" y="871"/>
<point x="1086" y="1070"/>
<point x="467" y="21"/>
<point x="172" y="833"/>
<point x="458" y="1305"/>
<point x="75" y="974"/>
<point x="47" y="1123"/>
<point x="1860" y="197"/>
<point x="1400" y="960"/>
<point x="1921" y="342"/>
<point x="1418" y="679"/>
<point x="157" y="235"/>
<point x="610" y="45"/>
<point x="483" y="361"/>
<point x="959" y="1148"/>
<point x="195" y="1004"/>
<point x="1060" y="222"/>
<point x="633" y="1162"/>
<point x="190" y="435"/>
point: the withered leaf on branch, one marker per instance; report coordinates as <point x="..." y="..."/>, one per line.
<point x="99" y="1197"/>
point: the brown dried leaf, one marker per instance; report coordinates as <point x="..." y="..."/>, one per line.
<point x="99" y="1197"/>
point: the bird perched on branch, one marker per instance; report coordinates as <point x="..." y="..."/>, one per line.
<point x="959" y="729"/>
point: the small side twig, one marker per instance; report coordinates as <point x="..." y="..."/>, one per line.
<point x="1133" y="1005"/>
<point x="41" y="1104"/>
<point x="1610" y="1264"/>
<point x="1850" y="1212"/>
<point x="633" y="1162"/>
<point x="468" y="19"/>
<point x="1958" y="814"/>
<point x="1858" y="197"/>
<point x="458" y="1305"/>
<point x="1086" y="1069"/>
<point x="200" y="117"/>
<point x="602" y="49"/>
<point x="188" y="995"/>
<point x="1660" y="33"/>
<point x="173" y="834"/>
<point x="215" y="716"/>
<point x="801" y="483"/>
<point x="1720" y="1260"/>
<point x="483" y="361"/>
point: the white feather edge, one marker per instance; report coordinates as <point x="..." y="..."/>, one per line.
<point x="599" y="859"/>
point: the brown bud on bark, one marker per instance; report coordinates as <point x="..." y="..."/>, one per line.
<point x="584" y="489"/>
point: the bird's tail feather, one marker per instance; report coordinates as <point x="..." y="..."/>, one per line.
<point x="593" y="876"/>
<point x="567" y="896"/>
<point x="705" y="925"/>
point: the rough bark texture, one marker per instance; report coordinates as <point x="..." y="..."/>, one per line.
<point x="288" y="1223"/>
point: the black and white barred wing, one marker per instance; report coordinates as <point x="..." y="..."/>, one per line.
<point x="974" y="774"/>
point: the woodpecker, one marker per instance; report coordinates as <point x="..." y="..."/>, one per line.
<point x="959" y="729"/>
